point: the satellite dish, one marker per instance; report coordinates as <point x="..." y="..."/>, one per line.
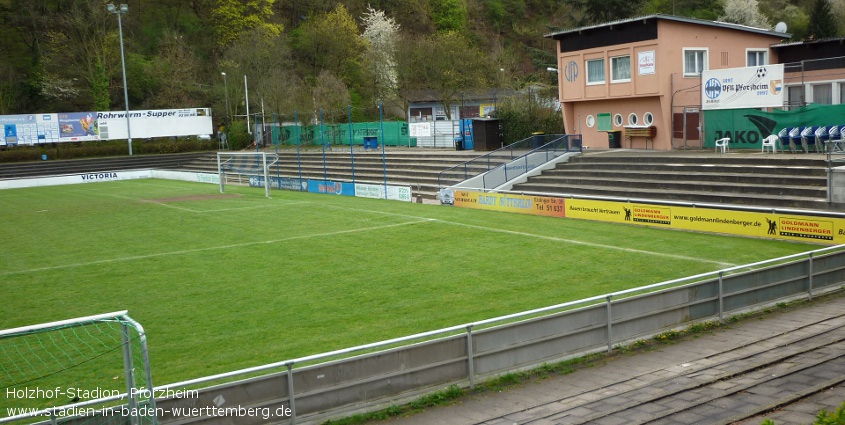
<point x="780" y="27"/>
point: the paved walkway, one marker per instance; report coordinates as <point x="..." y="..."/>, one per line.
<point x="609" y="393"/>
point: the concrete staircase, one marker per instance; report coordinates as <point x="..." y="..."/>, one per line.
<point x="751" y="178"/>
<point x="418" y="168"/>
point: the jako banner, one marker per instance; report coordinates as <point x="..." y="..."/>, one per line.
<point x="750" y="87"/>
<point x="748" y="127"/>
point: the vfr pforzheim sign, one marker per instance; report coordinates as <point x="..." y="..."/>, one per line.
<point x="750" y="87"/>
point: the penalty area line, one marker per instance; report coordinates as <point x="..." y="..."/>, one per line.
<point x="214" y="248"/>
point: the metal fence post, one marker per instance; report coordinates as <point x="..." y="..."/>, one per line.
<point x="721" y="296"/>
<point x="609" y="330"/>
<point x="290" y="394"/>
<point x="810" y="277"/>
<point x="470" y="365"/>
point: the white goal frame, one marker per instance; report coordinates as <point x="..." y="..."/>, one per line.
<point x="266" y="160"/>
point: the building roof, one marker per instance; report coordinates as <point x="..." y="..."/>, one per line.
<point x="657" y="17"/>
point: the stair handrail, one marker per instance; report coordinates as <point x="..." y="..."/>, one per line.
<point x="533" y="143"/>
<point x="530" y="160"/>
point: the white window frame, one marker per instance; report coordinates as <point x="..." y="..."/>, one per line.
<point x="765" y="53"/>
<point x="648" y="118"/>
<point x="590" y="121"/>
<point x="705" y="59"/>
<point x="603" y="71"/>
<point x="633" y="119"/>
<point x="617" y="120"/>
<point x="612" y="68"/>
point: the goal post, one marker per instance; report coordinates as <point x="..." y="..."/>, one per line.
<point x="250" y="164"/>
<point x="89" y="370"/>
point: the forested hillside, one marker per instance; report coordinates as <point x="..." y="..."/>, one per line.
<point x="308" y="55"/>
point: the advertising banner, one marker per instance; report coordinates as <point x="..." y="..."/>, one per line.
<point x="749" y="87"/>
<point x="748" y="127"/>
<point x="330" y="187"/>
<point x="30" y="129"/>
<point x="286" y="183"/>
<point x="33" y="129"/>
<point x="803" y="228"/>
<point x="151" y="123"/>
<point x="78" y="126"/>
<point x="394" y="193"/>
<point x="536" y="205"/>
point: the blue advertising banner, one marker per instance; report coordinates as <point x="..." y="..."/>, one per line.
<point x="327" y="186"/>
<point x="79" y="126"/>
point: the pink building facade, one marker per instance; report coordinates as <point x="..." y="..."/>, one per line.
<point x="621" y="78"/>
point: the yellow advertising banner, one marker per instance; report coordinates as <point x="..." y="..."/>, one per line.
<point x="804" y="228"/>
<point x="537" y="205"/>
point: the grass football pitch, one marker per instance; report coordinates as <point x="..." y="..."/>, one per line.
<point x="226" y="281"/>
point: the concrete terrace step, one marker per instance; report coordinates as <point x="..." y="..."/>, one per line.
<point x="693" y="196"/>
<point x="88" y="165"/>
<point x="740" y="178"/>
<point x="794" y="181"/>
<point x="418" y="168"/>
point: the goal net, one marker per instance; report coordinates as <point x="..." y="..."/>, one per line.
<point x="254" y="166"/>
<point x="91" y="370"/>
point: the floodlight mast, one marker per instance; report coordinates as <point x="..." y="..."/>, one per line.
<point x="124" y="8"/>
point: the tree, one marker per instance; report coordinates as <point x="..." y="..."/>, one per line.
<point x="450" y="65"/>
<point x="173" y="75"/>
<point x="231" y="18"/>
<point x="784" y="11"/>
<point x="822" y="22"/>
<point x="449" y="15"/>
<point x="330" y="95"/>
<point x="381" y="34"/>
<point x="80" y="55"/>
<point x="330" y="42"/>
<point x="597" y="12"/>
<point x="745" y="12"/>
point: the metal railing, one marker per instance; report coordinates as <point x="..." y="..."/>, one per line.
<point x="487" y="162"/>
<point x="531" y="160"/>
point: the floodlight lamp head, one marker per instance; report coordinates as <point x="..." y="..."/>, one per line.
<point x="223" y="74"/>
<point x="124" y="8"/>
<point x="111" y="8"/>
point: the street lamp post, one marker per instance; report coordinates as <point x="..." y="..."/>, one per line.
<point x="124" y="8"/>
<point x="226" y="89"/>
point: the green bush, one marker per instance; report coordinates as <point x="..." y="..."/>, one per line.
<point x="522" y="116"/>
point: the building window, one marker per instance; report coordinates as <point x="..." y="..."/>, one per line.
<point x="420" y="114"/>
<point x="695" y="61"/>
<point x="591" y="121"/>
<point x="823" y="94"/>
<point x="632" y="119"/>
<point x="620" y="69"/>
<point x="595" y="71"/>
<point x="842" y="92"/>
<point x="648" y="118"/>
<point x="617" y="120"/>
<point x="756" y="58"/>
<point x="794" y="96"/>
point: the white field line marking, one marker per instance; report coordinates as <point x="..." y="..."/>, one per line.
<point x="549" y="238"/>
<point x="215" y="248"/>
<point x="176" y="207"/>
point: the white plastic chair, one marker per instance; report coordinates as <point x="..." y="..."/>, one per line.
<point x="723" y="144"/>
<point x="770" y="141"/>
